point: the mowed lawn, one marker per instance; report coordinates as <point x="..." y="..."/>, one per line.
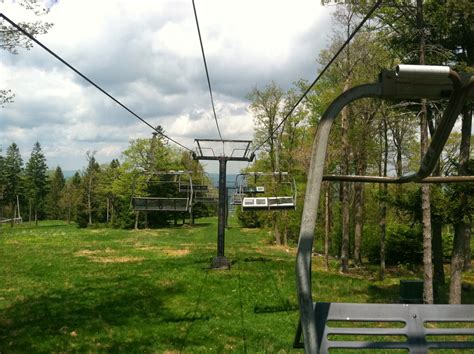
<point x="64" y="289"/>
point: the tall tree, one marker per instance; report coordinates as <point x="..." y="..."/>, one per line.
<point x="266" y="105"/>
<point x="58" y="183"/>
<point x="90" y="183"/>
<point x="36" y="181"/>
<point x="13" y="178"/>
<point x="72" y="196"/>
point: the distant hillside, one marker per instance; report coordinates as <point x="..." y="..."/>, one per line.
<point x="69" y="173"/>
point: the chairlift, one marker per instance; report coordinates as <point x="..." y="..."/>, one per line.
<point x="238" y="194"/>
<point x="185" y="186"/>
<point x="252" y="202"/>
<point x="182" y="203"/>
<point x="420" y="328"/>
<point x="205" y="193"/>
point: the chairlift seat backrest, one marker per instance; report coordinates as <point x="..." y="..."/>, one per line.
<point x="256" y="189"/>
<point x="160" y="204"/>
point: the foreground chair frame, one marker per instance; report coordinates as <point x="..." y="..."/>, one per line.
<point x="407" y="82"/>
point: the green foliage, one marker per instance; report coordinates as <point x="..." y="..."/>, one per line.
<point x="404" y="246"/>
<point x="250" y="219"/>
<point x="36" y="181"/>
<point x="13" y="176"/>
<point x="58" y="183"/>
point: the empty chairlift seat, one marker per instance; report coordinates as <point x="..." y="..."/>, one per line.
<point x="160" y="204"/>
<point x="267" y="203"/>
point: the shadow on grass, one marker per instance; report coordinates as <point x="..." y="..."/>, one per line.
<point x="385" y="294"/>
<point x="128" y="314"/>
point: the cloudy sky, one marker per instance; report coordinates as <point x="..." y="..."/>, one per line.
<point x="147" y="54"/>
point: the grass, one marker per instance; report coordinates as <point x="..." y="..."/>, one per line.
<point x="64" y="289"/>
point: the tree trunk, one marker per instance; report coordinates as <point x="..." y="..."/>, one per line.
<point x="69" y="207"/>
<point x="464" y="161"/>
<point x="425" y="189"/>
<point x="327" y="224"/>
<point x="462" y="229"/>
<point x="383" y="205"/>
<point x="438" y="262"/>
<point x="107" y="211"/>
<point x="345" y="186"/>
<point x="437" y="226"/>
<point x="89" y="203"/>
<point x="30" y="211"/>
<point x="136" y="220"/>
<point x="276" y="230"/>
<point x="457" y="262"/>
<point x="358" y="221"/>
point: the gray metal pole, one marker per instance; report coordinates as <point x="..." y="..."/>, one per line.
<point x="308" y="222"/>
<point x="221" y="262"/>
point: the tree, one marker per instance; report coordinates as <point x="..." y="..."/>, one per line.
<point x="11" y="39"/>
<point x="13" y="177"/>
<point x="266" y="105"/>
<point x="36" y="181"/>
<point x="90" y="185"/>
<point x="72" y="196"/>
<point x="55" y="195"/>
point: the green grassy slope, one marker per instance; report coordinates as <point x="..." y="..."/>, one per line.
<point x="64" y="289"/>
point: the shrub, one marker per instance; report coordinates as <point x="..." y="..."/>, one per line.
<point x="404" y="245"/>
<point x="248" y="218"/>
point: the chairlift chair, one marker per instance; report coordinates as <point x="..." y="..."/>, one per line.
<point x="204" y="193"/>
<point x="269" y="203"/>
<point x="417" y="331"/>
<point x="239" y="186"/>
<point x="182" y="203"/>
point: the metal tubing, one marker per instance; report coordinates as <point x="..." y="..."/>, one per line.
<point x="308" y="221"/>
<point x="422" y="72"/>
<point x="396" y="180"/>
<point x="441" y="135"/>
<point x="222" y="201"/>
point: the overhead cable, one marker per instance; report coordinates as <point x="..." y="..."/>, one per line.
<point x="207" y="71"/>
<point x="90" y="81"/>
<point x="376" y="5"/>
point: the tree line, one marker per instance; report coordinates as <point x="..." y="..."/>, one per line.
<point x="100" y="193"/>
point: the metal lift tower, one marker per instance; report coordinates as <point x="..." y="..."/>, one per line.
<point x="222" y="151"/>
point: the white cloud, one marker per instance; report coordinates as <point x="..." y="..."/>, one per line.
<point x="147" y="54"/>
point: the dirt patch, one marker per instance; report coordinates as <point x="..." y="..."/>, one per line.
<point x="176" y="253"/>
<point x="93" y="252"/>
<point x="95" y="231"/>
<point x="167" y="282"/>
<point x="116" y="259"/>
<point x="250" y="230"/>
<point x="106" y="256"/>
<point x="148" y="248"/>
<point x="170" y="252"/>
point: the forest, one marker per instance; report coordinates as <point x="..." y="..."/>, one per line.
<point x="408" y="225"/>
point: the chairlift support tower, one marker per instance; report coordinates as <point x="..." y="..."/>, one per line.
<point x="222" y="151"/>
